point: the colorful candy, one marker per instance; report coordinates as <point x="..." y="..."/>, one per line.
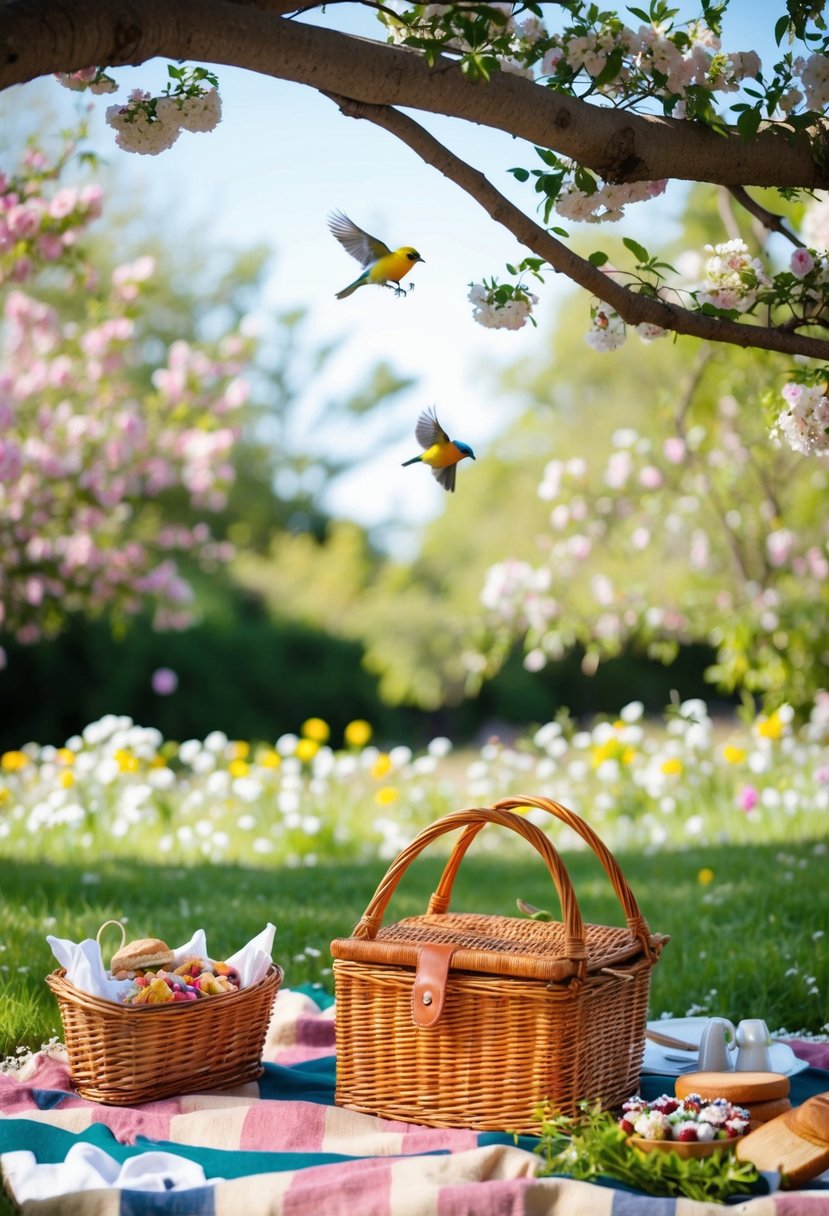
<point x="192" y="980"/>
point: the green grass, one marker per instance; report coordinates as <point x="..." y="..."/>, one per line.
<point x="746" y="944"/>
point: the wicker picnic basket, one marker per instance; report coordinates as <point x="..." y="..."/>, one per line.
<point x="123" y="1055"/>
<point x="469" y="1020"/>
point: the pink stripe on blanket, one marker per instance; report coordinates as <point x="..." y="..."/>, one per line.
<point x="358" y="1188"/>
<point x="817" y="1054"/>
<point x="127" y="1122"/>
<point x="800" y="1203"/>
<point x="495" y="1197"/>
<point x="290" y="1126"/>
<point x="427" y="1139"/>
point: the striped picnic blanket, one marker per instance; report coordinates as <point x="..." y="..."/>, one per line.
<point x="280" y="1147"/>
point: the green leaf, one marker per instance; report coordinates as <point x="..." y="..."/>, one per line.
<point x="611" y="69"/>
<point x="638" y="251"/>
<point x="520" y="175"/>
<point x="597" y="257"/>
<point x="747" y="124"/>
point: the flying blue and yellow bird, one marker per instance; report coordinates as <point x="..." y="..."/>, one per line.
<point x="441" y="453"/>
<point x="382" y="265"/>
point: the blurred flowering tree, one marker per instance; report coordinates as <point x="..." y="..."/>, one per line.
<point x="685" y="526"/>
<point x="94" y="430"/>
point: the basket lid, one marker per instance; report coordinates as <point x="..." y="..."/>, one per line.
<point x="493" y="945"/>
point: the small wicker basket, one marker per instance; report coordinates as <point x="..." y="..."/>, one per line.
<point x="124" y="1055"/>
<point x="468" y="1020"/>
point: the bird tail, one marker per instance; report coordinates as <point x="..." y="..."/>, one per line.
<point x="352" y="287"/>
<point x="413" y="460"/>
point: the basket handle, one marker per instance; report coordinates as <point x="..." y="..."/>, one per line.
<point x="120" y="926"/>
<point x="636" y="923"/>
<point x="473" y="820"/>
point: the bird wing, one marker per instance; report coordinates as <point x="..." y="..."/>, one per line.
<point x="446" y="477"/>
<point x="366" y="249"/>
<point x="429" y="430"/>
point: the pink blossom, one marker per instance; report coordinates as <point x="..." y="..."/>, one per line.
<point x="747" y="798"/>
<point x="164" y="681"/>
<point x="674" y="449"/>
<point x="801" y="263"/>
<point x="650" y="477"/>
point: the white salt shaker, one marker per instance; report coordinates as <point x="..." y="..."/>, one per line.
<point x="753" y="1042"/>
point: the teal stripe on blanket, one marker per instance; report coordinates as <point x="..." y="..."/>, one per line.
<point x="51" y="1144"/>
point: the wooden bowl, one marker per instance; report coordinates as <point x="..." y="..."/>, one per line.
<point x="686" y="1148"/>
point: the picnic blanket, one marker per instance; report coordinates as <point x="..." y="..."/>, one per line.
<point x="280" y="1147"/>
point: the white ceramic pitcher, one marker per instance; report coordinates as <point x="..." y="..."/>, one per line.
<point x="719" y="1039"/>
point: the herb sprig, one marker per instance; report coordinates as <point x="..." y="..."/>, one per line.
<point x="591" y="1145"/>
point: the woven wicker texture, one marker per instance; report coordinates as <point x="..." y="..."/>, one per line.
<point x="532" y="1011"/>
<point x="125" y="1055"/>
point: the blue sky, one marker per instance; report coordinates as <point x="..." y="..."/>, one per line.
<point x="281" y="160"/>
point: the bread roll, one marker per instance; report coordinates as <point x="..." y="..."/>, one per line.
<point x="142" y="955"/>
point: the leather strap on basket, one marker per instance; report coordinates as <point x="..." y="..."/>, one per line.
<point x="575" y="949"/>
<point x="637" y="925"/>
<point x="429" y="988"/>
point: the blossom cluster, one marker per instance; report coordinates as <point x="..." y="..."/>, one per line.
<point x="804" y="422"/>
<point x="39" y="225"/>
<point x="501" y="307"/>
<point x="149" y="125"/>
<point x="95" y="80"/>
<point x="607" y="202"/>
<point x="733" y="277"/>
<point x="84" y="450"/>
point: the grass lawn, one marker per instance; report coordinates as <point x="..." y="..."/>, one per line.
<point x="747" y="943"/>
<point x="721" y="829"/>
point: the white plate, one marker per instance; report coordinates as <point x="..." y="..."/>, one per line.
<point x="670" y="1062"/>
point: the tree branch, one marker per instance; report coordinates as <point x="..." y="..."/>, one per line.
<point x="769" y="219"/>
<point x="39" y="37"/>
<point x="632" y="307"/>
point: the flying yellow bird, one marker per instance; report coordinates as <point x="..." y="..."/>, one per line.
<point x="382" y="266"/>
<point x="441" y="453"/>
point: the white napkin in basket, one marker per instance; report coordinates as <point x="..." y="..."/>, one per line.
<point x="85" y="965"/>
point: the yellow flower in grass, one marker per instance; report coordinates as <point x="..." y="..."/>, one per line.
<point x="65" y="755"/>
<point x="386" y="795"/>
<point x="733" y="755"/>
<point x="316" y="729"/>
<point x="239" y="750"/>
<point x="770" y="727"/>
<point x="306" y="749"/>
<point x="13" y="762"/>
<point x="613" y="749"/>
<point x="381" y="766"/>
<point x="705" y="877"/>
<point x="67" y="780"/>
<point x="5" y="796"/>
<point x="127" y="761"/>
<point x="238" y="768"/>
<point x="268" y="758"/>
<point x="357" y="733"/>
<point x="672" y="767"/>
